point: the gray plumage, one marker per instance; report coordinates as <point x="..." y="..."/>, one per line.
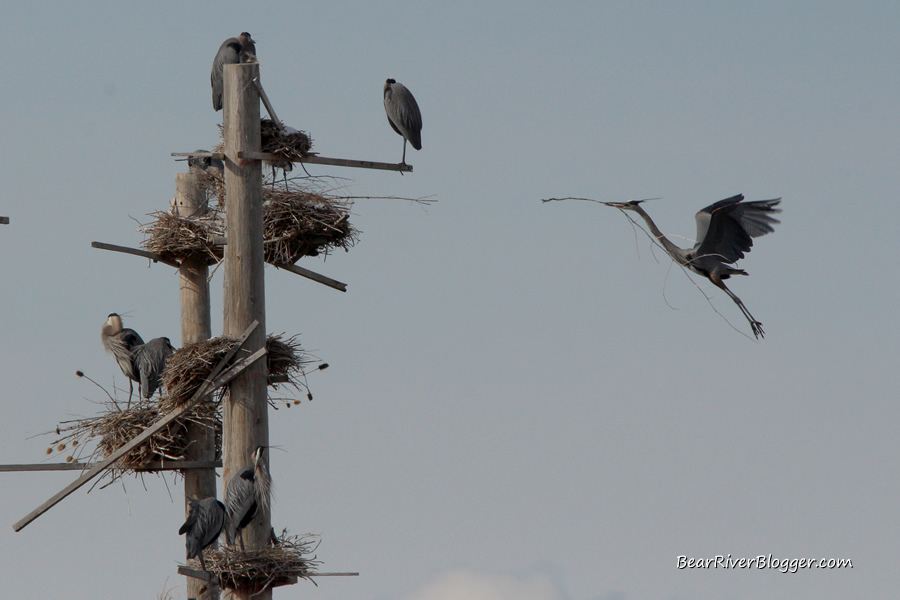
<point x="403" y="114"/>
<point x="205" y="165"/>
<point x="248" y="492"/>
<point x="241" y="49"/>
<point x="725" y="232"/>
<point x="121" y="342"/>
<point x="150" y="360"/>
<point x="204" y="523"/>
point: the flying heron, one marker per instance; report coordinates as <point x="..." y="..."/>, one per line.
<point x="403" y="114"/>
<point x="241" y="49"/>
<point x="203" y="525"/>
<point x="725" y="232"/>
<point x="248" y="492"/>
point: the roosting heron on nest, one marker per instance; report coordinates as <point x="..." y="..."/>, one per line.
<point x="139" y="362"/>
<point x="725" y="231"/>
<point x="203" y="525"/>
<point x="248" y="492"/>
<point x="403" y="114"/>
<point x="241" y="49"/>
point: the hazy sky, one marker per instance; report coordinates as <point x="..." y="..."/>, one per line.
<point x="526" y="401"/>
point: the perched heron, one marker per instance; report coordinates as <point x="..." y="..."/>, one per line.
<point x="203" y="525"/>
<point x="121" y="342"/>
<point x="241" y="49"/>
<point x="140" y="362"/>
<point x="150" y="359"/>
<point x="248" y="492"/>
<point x="725" y="231"/>
<point x="403" y="114"/>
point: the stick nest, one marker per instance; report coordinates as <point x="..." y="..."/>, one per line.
<point x="185" y="372"/>
<point x="291" y="146"/>
<point x="115" y="427"/>
<point x="291" y="556"/>
<point x="297" y="221"/>
<point x="189" y="367"/>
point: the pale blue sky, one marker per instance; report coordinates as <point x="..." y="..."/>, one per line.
<point x="525" y="400"/>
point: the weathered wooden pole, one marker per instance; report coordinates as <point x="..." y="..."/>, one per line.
<point x="245" y="409"/>
<point x="193" y="274"/>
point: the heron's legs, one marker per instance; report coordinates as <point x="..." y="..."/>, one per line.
<point x="403" y="162"/>
<point x="202" y="562"/>
<point x="755" y="325"/>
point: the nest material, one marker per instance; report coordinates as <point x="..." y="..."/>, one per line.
<point x="117" y="426"/>
<point x="178" y="238"/>
<point x="290" y="146"/>
<point x="291" y="556"/>
<point x="189" y="367"/>
<point x="297" y="222"/>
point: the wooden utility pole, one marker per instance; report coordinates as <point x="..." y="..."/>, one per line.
<point x="245" y="419"/>
<point x="193" y="274"/>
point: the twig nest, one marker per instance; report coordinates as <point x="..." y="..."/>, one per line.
<point x="254" y="570"/>
<point x="117" y="426"/>
<point x="291" y="145"/>
<point x="297" y="222"/>
<point x="177" y="238"/>
<point x="190" y="366"/>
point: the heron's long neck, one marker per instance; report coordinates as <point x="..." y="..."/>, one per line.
<point x="674" y="251"/>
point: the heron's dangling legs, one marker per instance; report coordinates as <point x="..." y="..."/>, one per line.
<point x="755" y="325"/>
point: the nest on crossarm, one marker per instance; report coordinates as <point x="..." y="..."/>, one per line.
<point x="117" y="426"/>
<point x="291" y="145"/>
<point x="190" y="366"/>
<point x="299" y="223"/>
<point x="291" y="556"/>
<point x="177" y="238"/>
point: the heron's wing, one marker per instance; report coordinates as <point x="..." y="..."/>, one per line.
<point x="191" y="518"/>
<point x="150" y="360"/>
<point x="229" y="53"/>
<point x="725" y="229"/>
<point x="130" y="339"/>
<point x="240" y="498"/>
<point x="403" y="114"/>
<point x="756" y="217"/>
<point x="204" y="524"/>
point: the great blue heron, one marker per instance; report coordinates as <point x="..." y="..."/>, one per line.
<point x="403" y="114"/>
<point x="139" y="362"/>
<point x="725" y="231"/>
<point x="241" y="49"/>
<point x="248" y="492"/>
<point x="150" y="359"/>
<point x="121" y="342"/>
<point x="203" y="525"/>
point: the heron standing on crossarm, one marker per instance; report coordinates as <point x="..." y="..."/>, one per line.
<point x="403" y="114"/>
